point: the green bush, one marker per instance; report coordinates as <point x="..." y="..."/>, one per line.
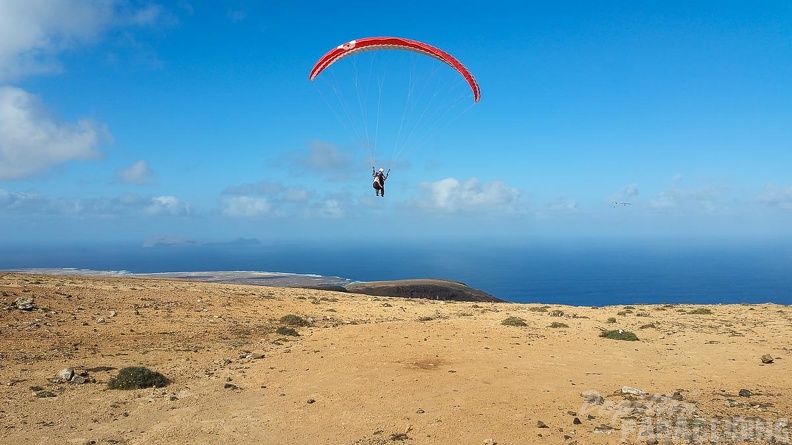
<point x="612" y="320"/>
<point x="514" y="321"/>
<point x="619" y="334"/>
<point x="539" y="308"/>
<point x="556" y="324"/>
<point x="701" y="311"/>
<point x="137" y="377"/>
<point x="283" y="330"/>
<point x="294" y="320"/>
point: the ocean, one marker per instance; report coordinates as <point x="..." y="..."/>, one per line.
<point x="576" y="273"/>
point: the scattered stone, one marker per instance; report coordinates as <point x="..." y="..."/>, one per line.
<point x="592" y="396"/>
<point x="745" y="393"/>
<point x="420" y="411"/>
<point x="256" y="355"/>
<point x="66" y="374"/>
<point x="44" y="394"/>
<point x="677" y="396"/>
<point x="572" y="413"/>
<point x="490" y="442"/>
<point x="113" y="314"/>
<point x="230" y="386"/>
<point x="78" y="379"/>
<point x="633" y="391"/>
<point x="652" y="441"/>
<point x="100" y="320"/>
<point x="603" y="429"/>
<point x="311" y="401"/>
<point x="732" y="403"/>
<point x="540" y="424"/>
<point x="767" y="359"/>
<point x="25" y="304"/>
<point x="576" y="421"/>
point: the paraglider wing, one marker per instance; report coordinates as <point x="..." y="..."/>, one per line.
<point x="397" y="43"/>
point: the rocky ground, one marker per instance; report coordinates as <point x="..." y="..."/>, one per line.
<point x="379" y="370"/>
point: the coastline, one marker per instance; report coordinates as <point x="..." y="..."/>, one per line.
<point x="433" y="289"/>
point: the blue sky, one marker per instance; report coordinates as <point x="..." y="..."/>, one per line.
<point x="195" y="120"/>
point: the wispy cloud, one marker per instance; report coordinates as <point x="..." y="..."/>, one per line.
<point x="128" y="205"/>
<point x="31" y="141"/>
<point x="245" y="206"/>
<point x="34" y="32"/>
<point x="775" y="196"/>
<point x="272" y="199"/>
<point x="453" y="196"/>
<point x="137" y="173"/>
<point x="628" y="193"/>
<point x="708" y="199"/>
<point x="236" y="15"/>
<point x="319" y="159"/>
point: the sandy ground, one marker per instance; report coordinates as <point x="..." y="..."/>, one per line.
<point x="381" y="370"/>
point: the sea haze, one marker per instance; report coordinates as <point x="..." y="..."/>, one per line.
<point x="574" y="273"/>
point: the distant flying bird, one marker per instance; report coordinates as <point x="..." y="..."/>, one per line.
<point x="616" y="203"/>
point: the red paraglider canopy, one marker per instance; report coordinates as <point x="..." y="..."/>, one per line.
<point x="377" y="43"/>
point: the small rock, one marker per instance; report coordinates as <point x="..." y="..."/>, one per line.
<point x="732" y="403"/>
<point x="576" y="421"/>
<point x="44" y="394"/>
<point x="25" y="304"/>
<point x="256" y="355"/>
<point x="420" y="411"/>
<point x="540" y="424"/>
<point x="592" y="396"/>
<point x="78" y="379"/>
<point x="652" y="441"/>
<point x="677" y="396"/>
<point x="100" y="320"/>
<point x="66" y="374"/>
<point x="603" y="429"/>
<point x="767" y="359"/>
<point x="745" y="393"/>
<point x="311" y="401"/>
<point x="633" y="391"/>
<point x="113" y="314"/>
<point x="230" y="386"/>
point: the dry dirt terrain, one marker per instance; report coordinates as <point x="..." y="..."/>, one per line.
<point x="380" y="370"/>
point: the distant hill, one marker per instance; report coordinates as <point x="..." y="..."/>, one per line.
<point x="430" y="289"/>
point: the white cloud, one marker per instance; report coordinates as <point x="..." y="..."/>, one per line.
<point x="628" y="193"/>
<point x="451" y="196"/>
<point x="319" y="159"/>
<point x="137" y="173"/>
<point x="331" y="208"/>
<point x="266" y="197"/>
<point x="128" y="205"/>
<point x="33" y="32"/>
<point x="167" y="205"/>
<point x="774" y="196"/>
<point x="31" y="141"/>
<point x="701" y="200"/>
<point x="245" y="206"/>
